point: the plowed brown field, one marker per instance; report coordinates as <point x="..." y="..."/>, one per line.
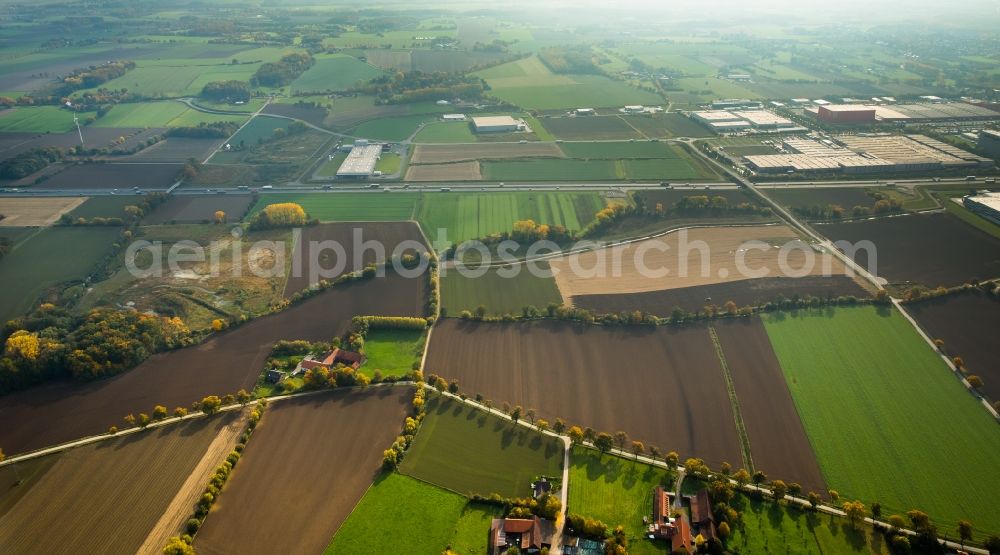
<point x="778" y="441"/>
<point x="967" y="323"/>
<point x="225" y="363"/>
<point x="106" y="497"/>
<point x="307" y="466"/>
<point x="437" y="154"/>
<point x="752" y="292"/>
<point x="459" y="171"/>
<point x="363" y="243"/>
<point x="661" y="385"/>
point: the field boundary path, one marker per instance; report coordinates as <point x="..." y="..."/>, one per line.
<point x="179" y="508"/>
<point x="741" y="429"/>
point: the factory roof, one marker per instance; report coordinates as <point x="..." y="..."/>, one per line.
<point x="494" y="121"/>
<point x="991" y="200"/>
<point x="717" y="115"/>
<point x="360" y="161"/>
<point x="764" y="118"/>
<point x="850" y="108"/>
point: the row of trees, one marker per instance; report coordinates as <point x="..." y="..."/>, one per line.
<point x="205" y="130"/>
<point x="392" y="456"/>
<point x="226" y="91"/>
<point x="93" y="76"/>
<point x="181" y="545"/>
<point x="880" y="207"/>
<point x="404" y="87"/>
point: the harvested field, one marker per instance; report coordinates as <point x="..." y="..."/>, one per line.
<point x="921" y="248"/>
<point x="967" y="322"/>
<point x="459" y="171"/>
<point x="34" y="211"/>
<point x="798" y="198"/>
<point x="744" y="292"/>
<point x="73" y="508"/>
<point x="114" y="176"/>
<point x="438" y="154"/>
<point x="687" y="258"/>
<point x="225" y="363"/>
<point x="361" y="242"/>
<point x="778" y="441"/>
<point x="12" y="144"/>
<point x="199" y="209"/>
<point x="590" y="127"/>
<point x="572" y="372"/>
<point x="176" y="149"/>
<point x="307" y="466"/>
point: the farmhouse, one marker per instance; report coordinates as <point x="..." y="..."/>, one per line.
<point x="679" y="531"/>
<point x="527" y="535"/>
<point x="330" y="359"/>
<point x="496" y="124"/>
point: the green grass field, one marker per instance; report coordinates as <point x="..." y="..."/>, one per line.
<point x="347" y="207"/>
<point x="470" y="216"/>
<point x="424" y="518"/>
<point x="181" y="77"/>
<point x="770" y="528"/>
<point x="391" y="129"/>
<point x="468" y="451"/>
<point x="862" y="380"/>
<point x="105" y="206"/>
<point x="53" y="256"/>
<point x="617" y="150"/>
<point x="142" y="114"/>
<point x="530" y="84"/>
<point x="498" y="294"/>
<point x="388" y="163"/>
<point x="446" y="132"/>
<point x="334" y="73"/>
<point x="260" y="128"/>
<point x="616" y="491"/>
<point x="393" y="352"/>
<point x="39" y="119"/>
<point x="668" y="126"/>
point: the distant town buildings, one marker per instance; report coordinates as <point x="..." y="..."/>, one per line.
<point x="904" y="113"/>
<point x="733" y="120"/>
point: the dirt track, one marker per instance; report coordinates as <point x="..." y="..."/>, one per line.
<point x="686" y="258"/>
<point x="307" y="466"/>
<point x="932" y="249"/>
<point x="968" y="323"/>
<point x="778" y="441"/>
<point x="663" y="386"/>
<point x="751" y="292"/>
<point x="106" y="497"/>
<point x="389" y="235"/>
<point x="232" y="360"/>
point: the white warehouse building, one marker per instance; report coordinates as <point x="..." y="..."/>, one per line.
<point x="496" y="124"/>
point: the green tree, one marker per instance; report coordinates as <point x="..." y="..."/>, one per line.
<point x="575" y="435"/>
<point x="159" y="412"/>
<point x="964" y="531"/>
<point x="814" y="499"/>
<point x="530" y="415"/>
<point x="855" y="511"/>
<point x="794" y="489"/>
<point x="180" y="411"/>
<point x="759" y="478"/>
<point x="778" y="490"/>
<point x="604" y="442"/>
<point x="638" y="448"/>
<point x="559" y="426"/>
<point x="876" y="510"/>
<point x="142" y="420"/>
<point x="211" y="404"/>
<point x="671" y="458"/>
<point x="621" y="438"/>
<point x="515" y="413"/>
<point x="242" y="397"/>
<point x="177" y="546"/>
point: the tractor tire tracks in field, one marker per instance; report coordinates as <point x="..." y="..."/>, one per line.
<point x="180" y="507"/>
<point x="741" y="429"/>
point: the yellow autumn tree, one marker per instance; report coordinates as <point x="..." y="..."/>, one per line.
<point x="220" y="217"/>
<point x="284" y="214"/>
<point x="23" y="344"/>
<point x="218" y="324"/>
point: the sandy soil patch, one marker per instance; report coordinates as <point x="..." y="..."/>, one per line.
<point x="28" y="212"/>
<point x="691" y="257"/>
<point x="460" y="171"/>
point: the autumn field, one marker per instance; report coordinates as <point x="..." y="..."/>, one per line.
<point x="324" y="451"/>
<point x="468" y="451"/>
<point x="72" y="508"/>
<point x="889" y="387"/>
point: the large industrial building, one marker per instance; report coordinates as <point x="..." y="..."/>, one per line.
<point x="360" y="162"/>
<point x="986" y="205"/>
<point x="989" y="142"/>
<point x="904" y="113"/>
<point x="857" y="154"/>
<point x="847" y="113"/>
<point x="728" y="121"/>
<point x="496" y="124"/>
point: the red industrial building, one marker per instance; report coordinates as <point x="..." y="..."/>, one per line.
<point x="847" y="113"/>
